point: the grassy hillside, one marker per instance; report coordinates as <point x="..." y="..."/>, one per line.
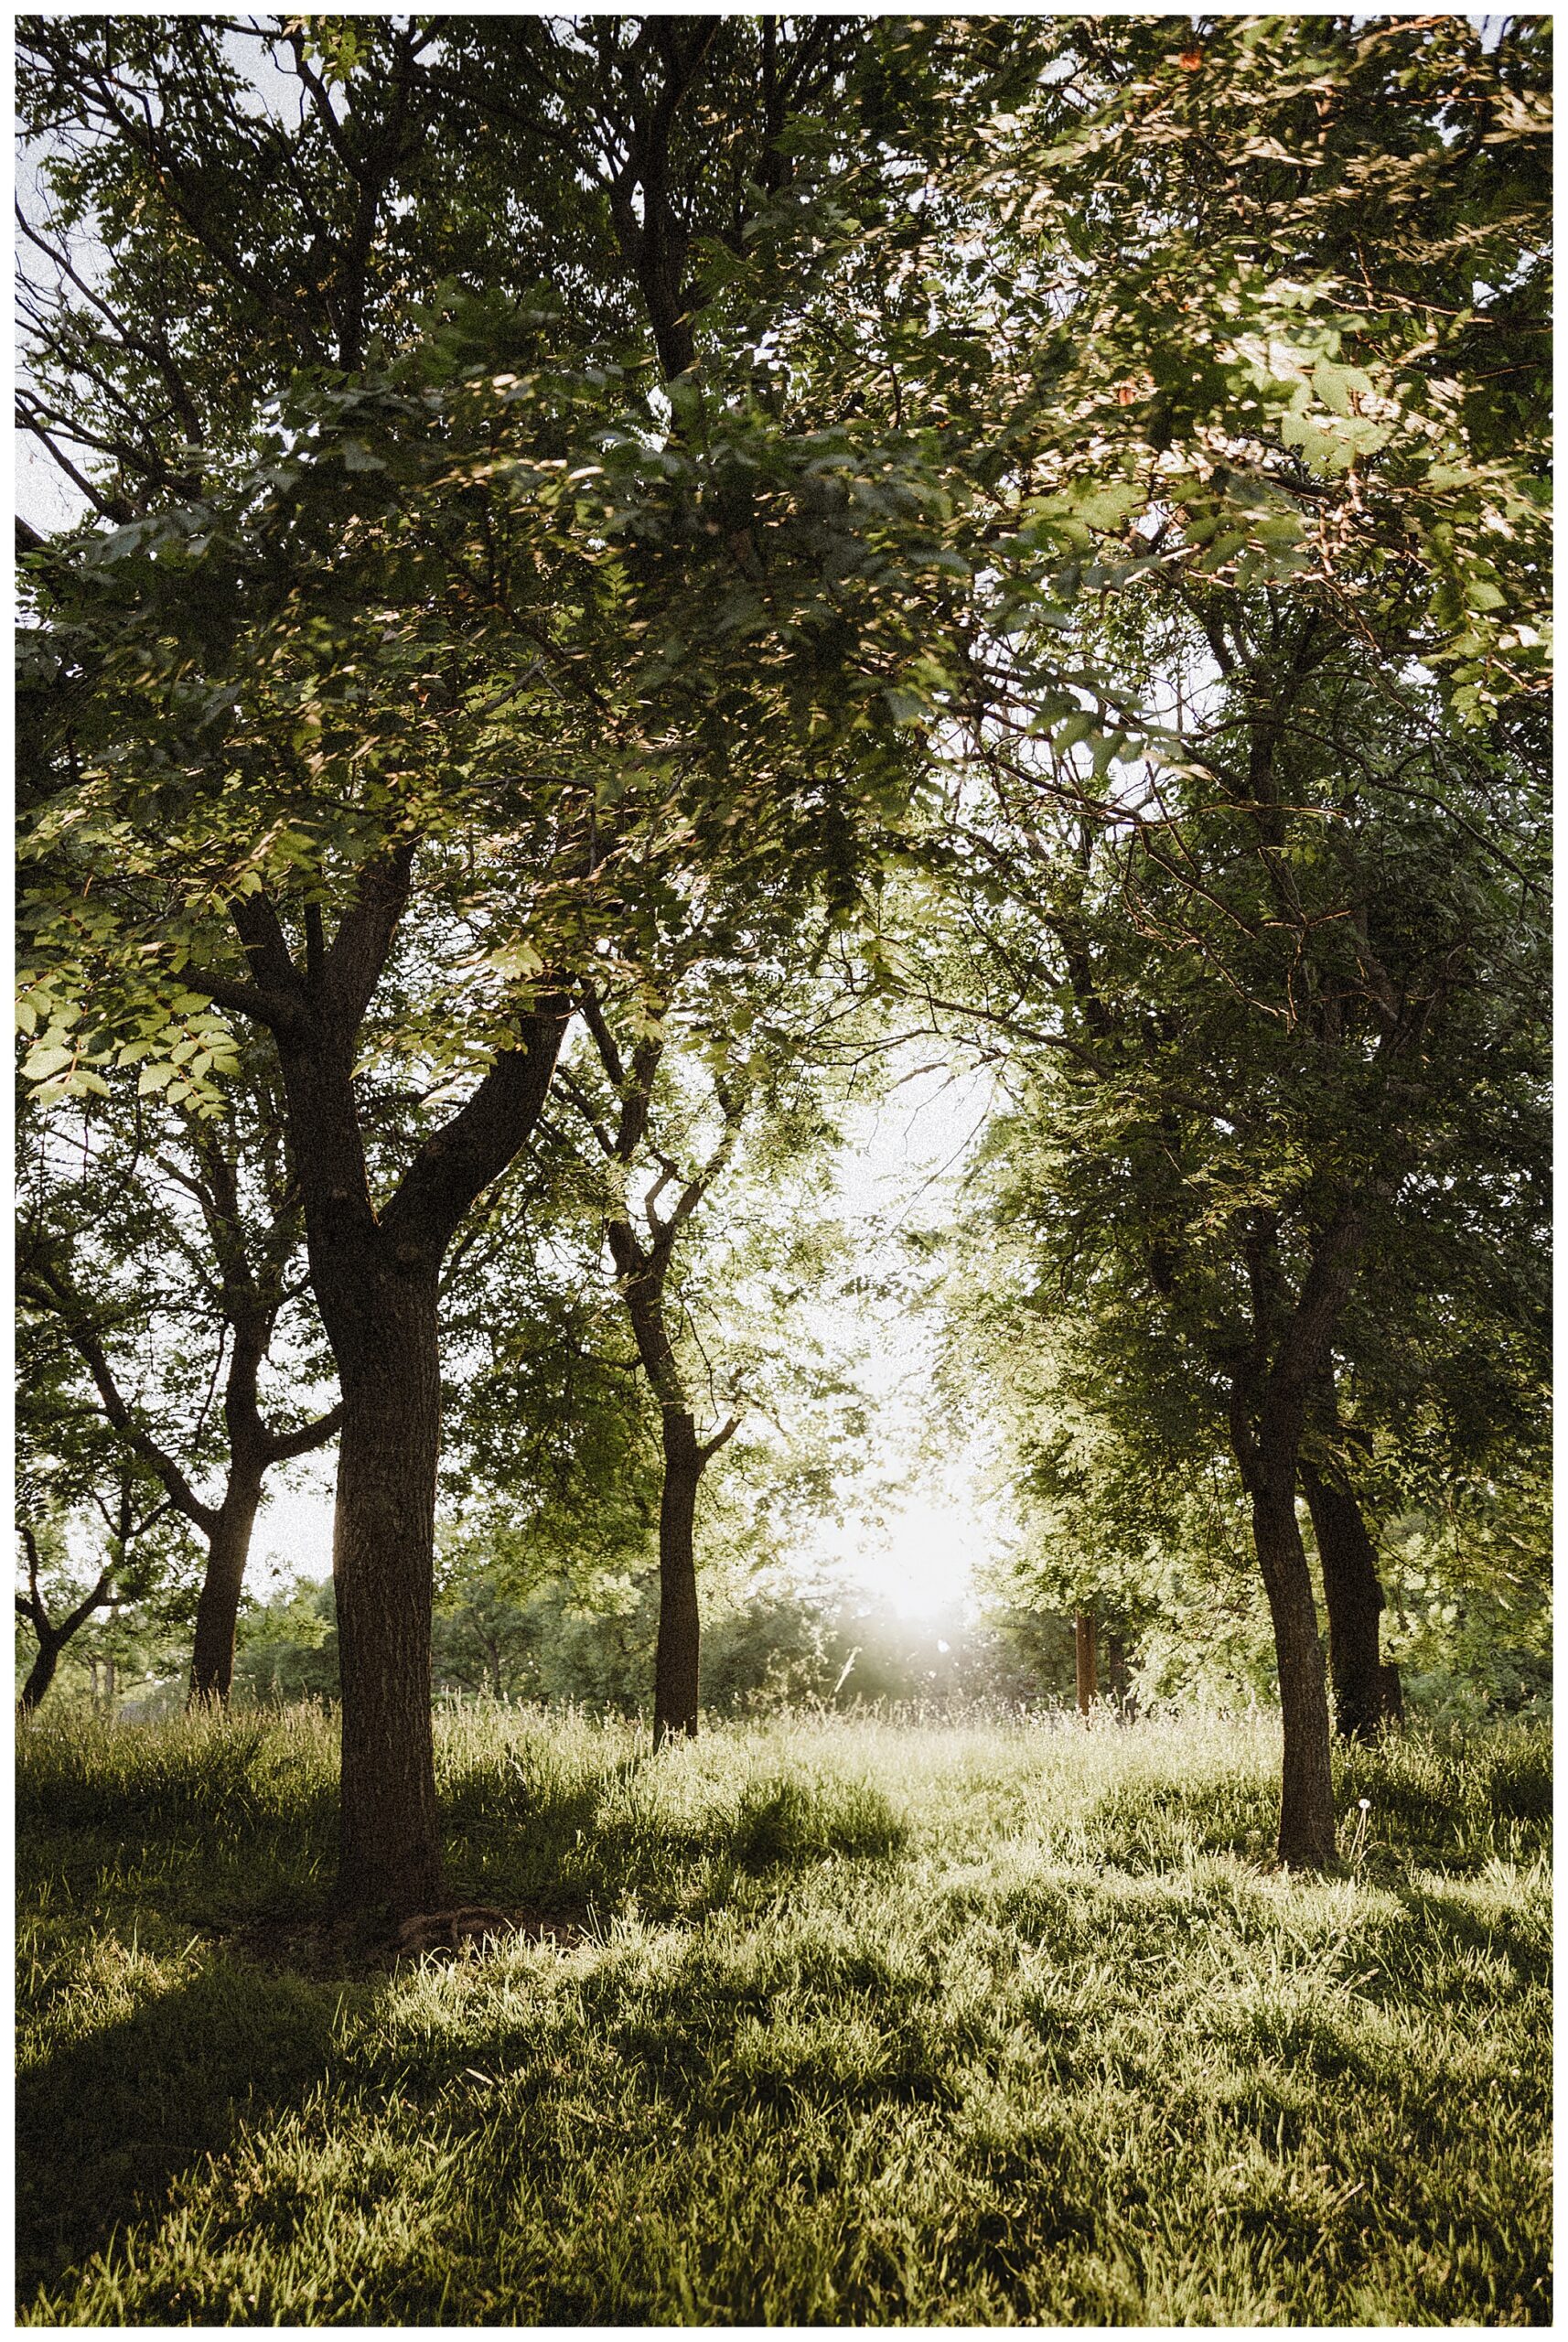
<point x="862" y="2023"/>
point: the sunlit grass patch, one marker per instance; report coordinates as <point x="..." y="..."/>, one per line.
<point x="865" y="2023"/>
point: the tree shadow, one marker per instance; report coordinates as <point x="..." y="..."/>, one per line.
<point x="106" y="2121"/>
<point x="1446" y="1918"/>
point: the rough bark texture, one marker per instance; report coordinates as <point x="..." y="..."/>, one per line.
<point x="217" y="1604"/>
<point x="1287" y="1357"/>
<point x="1366" y="1692"/>
<point x="1306" y="1840"/>
<point x="41" y="1674"/>
<point x="1086" y="1652"/>
<point x="676" y="1661"/>
<point x="376" y="1278"/>
<point x="383" y="1567"/>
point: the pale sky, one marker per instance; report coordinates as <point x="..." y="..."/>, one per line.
<point x="898" y="1161"/>
<point x="902" y="1158"/>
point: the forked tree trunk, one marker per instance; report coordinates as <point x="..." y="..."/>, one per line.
<point x="676" y="1700"/>
<point x="1366" y="1692"/>
<point x="375" y="1274"/>
<point x="1306" y="1839"/>
<point x="217" y="1604"/>
<point x="1288" y="1354"/>
<point x="250" y="1305"/>
<point x="1086" y="1654"/>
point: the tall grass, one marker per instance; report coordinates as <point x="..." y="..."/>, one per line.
<point x="861" y="2022"/>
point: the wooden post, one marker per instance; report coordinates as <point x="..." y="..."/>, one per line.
<point x="1084" y="1624"/>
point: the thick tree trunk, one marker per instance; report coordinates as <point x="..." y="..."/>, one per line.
<point x="1366" y="1692"/>
<point x="1307" y="1793"/>
<point x="375" y="1274"/>
<point x="41" y="1674"/>
<point x="677" y="1662"/>
<point x="218" y="1606"/>
<point x="1086" y="1652"/>
<point x="383" y="1574"/>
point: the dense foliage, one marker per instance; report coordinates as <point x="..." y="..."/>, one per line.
<point x="624" y="570"/>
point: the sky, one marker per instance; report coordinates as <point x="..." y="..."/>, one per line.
<point x="917" y="1553"/>
<point x="904" y="1155"/>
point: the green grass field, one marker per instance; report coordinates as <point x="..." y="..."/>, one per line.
<point x="868" y="2023"/>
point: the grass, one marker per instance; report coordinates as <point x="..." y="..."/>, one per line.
<point x="869" y="2023"/>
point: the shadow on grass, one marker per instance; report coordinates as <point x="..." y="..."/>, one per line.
<point x="566" y="1848"/>
<point x="106" y="2122"/>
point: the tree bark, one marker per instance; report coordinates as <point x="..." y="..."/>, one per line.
<point x="642" y="1268"/>
<point x="217" y="1604"/>
<point x="1306" y="1840"/>
<point x="376" y="1278"/>
<point x="1086" y="1652"/>
<point x="1269" y="1389"/>
<point x="41" y="1674"/>
<point x="383" y="1559"/>
<point x="53" y="1635"/>
<point x="251" y="1296"/>
<point x="1366" y="1692"/>
<point x="677" y="1659"/>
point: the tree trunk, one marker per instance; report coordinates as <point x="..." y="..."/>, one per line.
<point x="1307" y="1793"/>
<point x="111" y="1686"/>
<point x="1086" y="1652"/>
<point x="1364" y="1696"/>
<point x="218" y="1606"/>
<point x="1267" y="1419"/>
<point x="375" y="1274"/>
<point x="675" y="1681"/>
<point x="41" y="1674"/>
<point x="383" y="1560"/>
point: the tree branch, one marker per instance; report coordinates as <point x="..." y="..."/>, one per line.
<point x="281" y="1447"/>
<point x="66" y="1306"/>
<point x="455" y="1165"/>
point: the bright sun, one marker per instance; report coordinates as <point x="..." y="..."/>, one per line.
<point x="921" y="1561"/>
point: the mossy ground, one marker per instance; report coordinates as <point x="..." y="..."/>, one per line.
<point x="869" y="2023"/>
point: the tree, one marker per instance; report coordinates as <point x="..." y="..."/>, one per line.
<point x="430" y="700"/>
<point x="1237" y="967"/>
<point x="709" y="1055"/>
<point x="321" y="773"/>
<point x="69" y="1467"/>
<point x="164" y="1250"/>
<point x="1279" y="978"/>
